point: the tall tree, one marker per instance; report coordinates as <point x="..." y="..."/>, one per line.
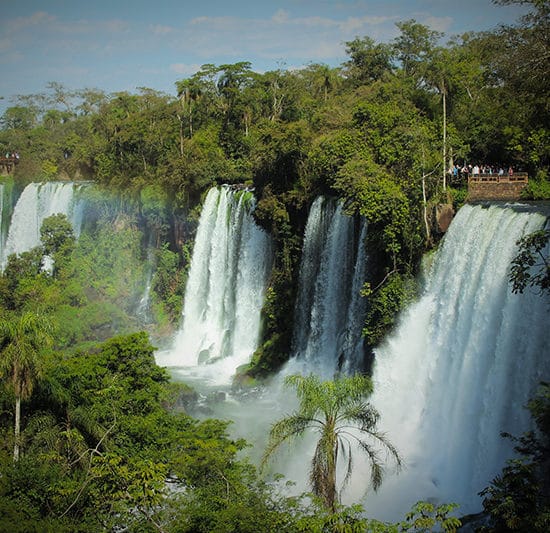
<point x="57" y="236"/>
<point x="414" y="47"/>
<point x="369" y="60"/>
<point x="338" y="411"/>
<point x="21" y="341"/>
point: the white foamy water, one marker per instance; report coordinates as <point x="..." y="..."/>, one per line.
<point x="37" y="202"/>
<point x="459" y="369"/>
<point x="225" y="291"/>
<point x="329" y="308"/>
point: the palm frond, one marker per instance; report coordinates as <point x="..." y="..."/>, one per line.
<point x="340" y="411"/>
<point x="362" y="414"/>
<point x="349" y="467"/>
<point x="375" y="465"/>
<point x="381" y="438"/>
<point x="285" y="429"/>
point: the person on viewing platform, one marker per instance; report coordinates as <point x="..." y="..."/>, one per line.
<point x="475" y="171"/>
<point x="510" y="171"/>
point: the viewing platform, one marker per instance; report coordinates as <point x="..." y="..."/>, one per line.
<point x="505" y="187"/>
<point x="7" y="164"/>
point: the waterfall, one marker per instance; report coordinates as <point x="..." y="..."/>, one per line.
<point x="143" y="310"/>
<point x="6" y="210"/>
<point x="2" y="228"/>
<point x="37" y="202"/>
<point x="329" y="308"/>
<point x="461" y="366"/>
<point x="225" y="290"/>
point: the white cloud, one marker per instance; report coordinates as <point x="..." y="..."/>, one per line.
<point x="314" y="22"/>
<point x="439" y="23"/>
<point x="38" y="18"/>
<point x="184" y="68"/>
<point x="366" y="23"/>
<point x="114" y="26"/>
<point x="280" y="17"/>
<point x="159" y="29"/>
<point x="279" y="37"/>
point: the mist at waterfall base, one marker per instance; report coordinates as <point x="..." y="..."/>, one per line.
<point x="457" y="371"/>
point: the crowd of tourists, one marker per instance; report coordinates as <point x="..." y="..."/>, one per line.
<point x="459" y="172"/>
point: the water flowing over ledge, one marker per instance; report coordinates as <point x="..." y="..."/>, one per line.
<point x="37" y="202"/>
<point x="225" y="290"/>
<point x="329" y="308"/>
<point x="461" y="366"/>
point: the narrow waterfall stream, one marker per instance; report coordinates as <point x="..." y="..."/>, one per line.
<point x="461" y="366"/>
<point x="3" y="231"/>
<point x="329" y="307"/>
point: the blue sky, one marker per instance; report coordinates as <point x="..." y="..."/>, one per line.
<point x="121" y="45"/>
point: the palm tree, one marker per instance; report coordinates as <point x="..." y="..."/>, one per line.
<point x="21" y="341"/>
<point x="339" y="412"/>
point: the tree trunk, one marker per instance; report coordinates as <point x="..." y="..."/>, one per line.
<point x="332" y="497"/>
<point x="444" y="138"/>
<point x="17" y="431"/>
<point x="180" y="118"/>
<point x="425" y="206"/>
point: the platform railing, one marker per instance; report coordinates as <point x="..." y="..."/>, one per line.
<point x="517" y="177"/>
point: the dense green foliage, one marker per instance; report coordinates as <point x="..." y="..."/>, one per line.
<point x="100" y="444"/>
<point x="519" y="498"/>
<point x="90" y="290"/>
<point x="105" y="447"/>
<point x="531" y="266"/>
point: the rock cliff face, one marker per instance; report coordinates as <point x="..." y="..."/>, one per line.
<point x="444" y="214"/>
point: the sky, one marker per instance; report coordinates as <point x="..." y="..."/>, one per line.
<point x="121" y="45"/>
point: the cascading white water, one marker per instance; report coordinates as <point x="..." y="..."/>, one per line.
<point x="461" y="366"/>
<point x="2" y="230"/>
<point x="37" y="202"/>
<point x="143" y="310"/>
<point x="6" y="210"/>
<point x="329" y="308"/>
<point x="225" y="290"/>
